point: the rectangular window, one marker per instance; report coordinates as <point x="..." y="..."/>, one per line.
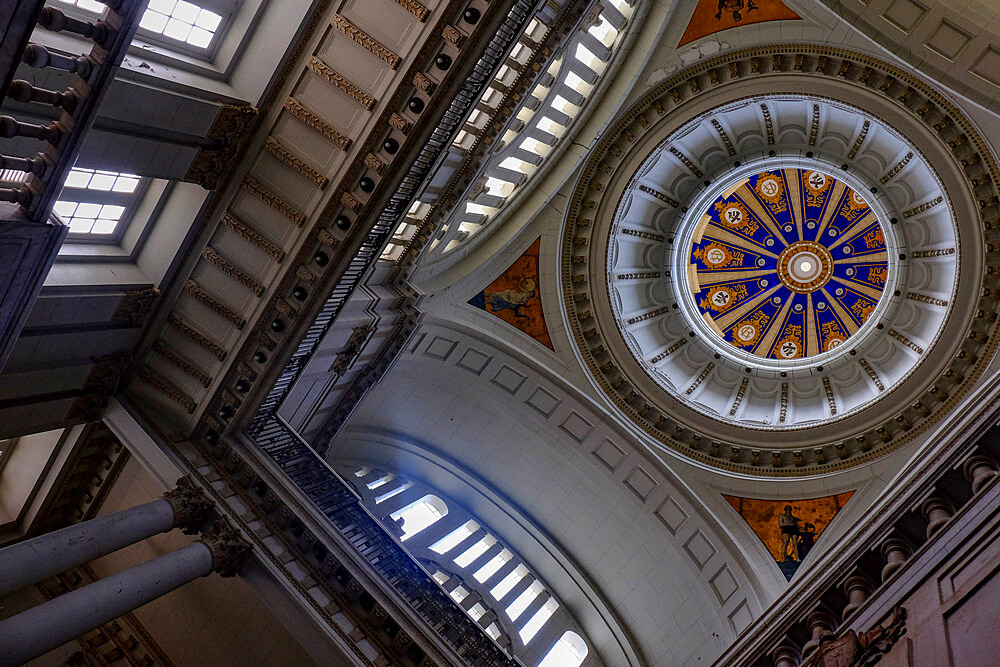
<point x="97" y="204"/>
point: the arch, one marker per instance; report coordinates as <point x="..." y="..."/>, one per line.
<point x="419" y="514"/>
<point x="569" y="651"/>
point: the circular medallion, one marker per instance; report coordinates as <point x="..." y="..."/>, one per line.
<point x="786" y="263"/>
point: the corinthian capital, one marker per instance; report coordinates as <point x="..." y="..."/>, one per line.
<point x="190" y="505"/>
<point x="229" y="549"/>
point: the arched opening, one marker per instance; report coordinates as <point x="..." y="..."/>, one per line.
<point x="419" y="514"/>
<point x="569" y="651"/>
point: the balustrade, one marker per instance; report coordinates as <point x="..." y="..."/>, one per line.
<point x="906" y="534"/>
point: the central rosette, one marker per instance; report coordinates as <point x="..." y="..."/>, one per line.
<point x="805" y="267"/>
<point x="787" y="264"/>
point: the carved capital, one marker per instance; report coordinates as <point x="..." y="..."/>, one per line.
<point x="190" y="505"/>
<point x="229" y="549"/>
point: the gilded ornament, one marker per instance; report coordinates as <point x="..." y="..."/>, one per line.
<point x="340" y="82"/>
<point x="299" y="110"/>
<point x="367" y="42"/>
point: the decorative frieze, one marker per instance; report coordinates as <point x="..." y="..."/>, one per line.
<point x="423" y="82"/>
<point x="872" y="374"/>
<point x="231" y="270"/>
<point x="926" y="206"/>
<point x="374" y="163"/>
<point x="340" y="82"/>
<point x="641" y="234"/>
<point x="701" y="378"/>
<point x="399" y="122"/>
<point x="300" y="111"/>
<point x="830" y="398"/>
<point x="135" y="306"/>
<point x="667" y="352"/>
<point x="686" y="161"/>
<point x="937" y="252"/>
<point x="452" y="36"/>
<point x="294" y="162"/>
<point x="168" y="389"/>
<point x="274" y="201"/>
<point x="739" y="397"/>
<point x="923" y="298"/>
<point x="639" y="275"/>
<point x="768" y="123"/>
<point x="199" y="293"/>
<point x="814" y="126"/>
<point x="906" y="341"/>
<point x="896" y="169"/>
<point x="414" y="8"/>
<point x="251" y="235"/>
<point x="860" y="140"/>
<point x="173" y="358"/>
<point x="649" y="315"/>
<point x="724" y="136"/>
<point x="193" y="334"/>
<point x="367" y="42"/>
<point x="350" y="201"/>
<point x="659" y="195"/>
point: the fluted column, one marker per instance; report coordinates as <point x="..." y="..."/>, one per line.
<point x="38" y="630"/>
<point x="41" y="557"/>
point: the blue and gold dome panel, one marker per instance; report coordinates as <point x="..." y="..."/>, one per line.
<point x="788" y="264"/>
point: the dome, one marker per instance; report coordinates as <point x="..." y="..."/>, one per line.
<point x="762" y="272"/>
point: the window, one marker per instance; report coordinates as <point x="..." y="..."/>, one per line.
<point x="535" y="623"/>
<point x="522" y="601"/>
<point x="569" y="651"/>
<point x="475" y="551"/>
<point x="452" y="539"/>
<point x="494" y="564"/>
<point x="419" y="514"/>
<point x="180" y="20"/>
<point x="177" y="20"/>
<point x="95" y="203"/>
<point x="507" y="583"/>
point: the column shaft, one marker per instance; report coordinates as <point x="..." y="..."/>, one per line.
<point x="41" y="557"/>
<point x="40" y="629"/>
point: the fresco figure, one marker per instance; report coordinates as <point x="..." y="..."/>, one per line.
<point x="807" y="537"/>
<point x="789" y="526"/>
<point x="735" y="6"/>
<point x="513" y="299"/>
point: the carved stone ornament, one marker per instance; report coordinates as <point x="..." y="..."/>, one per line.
<point x="300" y="111"/>
<point x="229" y="549"/>
<point x="231" y="126"/>
<point x="135" y="305"/>
<point x="190" y="505"/>
<point x="860" y="649"/>
<point x="414" y="8"/>
<point x="367" y="42"/>
<point x="100" y="384"/>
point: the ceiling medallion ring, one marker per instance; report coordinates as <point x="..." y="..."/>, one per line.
<point x="744" y="230"/>
<point x="954" y="147"/>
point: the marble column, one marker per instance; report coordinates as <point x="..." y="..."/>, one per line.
<point x="41" y="557"/>
<point x="40" y="629"/>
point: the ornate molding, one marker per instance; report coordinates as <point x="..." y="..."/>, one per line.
<point x="972" y="161"/>
<point x="300" y="111"/>
<point x="191" y="506"/>
<point x="228" y="131"/>
<point x="367" y="42"/>
<point x="199" y="293"/>
<point x="294" y="162"/>
<point x="340" y="82"/>
<point x="229" y="549"/>
<point x="251" y="235"/>
<point x="173" y="358"/>
<point x="274" y="201"/>
<point x="193" y="334"/>
<point x="231" y="270"/>
<point x="101" y="383"/>
<point x="414" y="8"/>
<point x="167" y="388"/>
<point x="424" y="83"/>
<point x="398" y="122"/>
<point x="452" y="35"/>
<point x="135" y="306"/>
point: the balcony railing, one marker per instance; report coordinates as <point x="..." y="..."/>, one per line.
<point x="35" y="157"/>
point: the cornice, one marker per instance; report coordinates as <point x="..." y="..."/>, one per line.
<point x="974" y="162"/>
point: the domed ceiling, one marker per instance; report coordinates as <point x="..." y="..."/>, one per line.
<point x="764" y="258"/>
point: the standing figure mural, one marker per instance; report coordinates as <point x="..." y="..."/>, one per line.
<point x="788" y="528"/>
<point x="515" y="296"/>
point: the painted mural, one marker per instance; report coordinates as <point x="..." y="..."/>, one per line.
<point x="711" y="16"/>
<point x="789" y="528"/>
<point x="515" y="296"/>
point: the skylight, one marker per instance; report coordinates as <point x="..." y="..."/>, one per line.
<point x="94" y="201"/>
<point x="183" y="21"/>
<point x="419" y="514"/>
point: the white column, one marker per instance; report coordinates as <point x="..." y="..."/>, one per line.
<point x="38" y="630"/>
<point x="41" y="557"/>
